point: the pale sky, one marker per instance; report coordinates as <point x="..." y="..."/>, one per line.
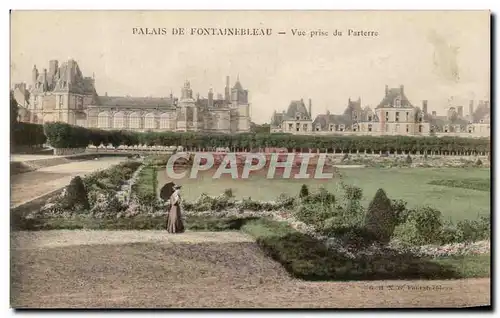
<point x="435" y="54"/>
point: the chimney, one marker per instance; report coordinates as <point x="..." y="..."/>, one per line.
<point x="460" y="110"/>
<point x="328" y="112"/>
<point x="424" y="106"/>
<point x="310" y="107"/>
<point x="386" y="90"/>
<point x="227" y="93"/>
<point x="471" y="107"/>
<point x="34" y="74"/>
<point x="210" y="97"/>
<point x="434" y="113"/>
<point x="402" y="89"/>
<point x="106" y="94"/>
<point x="53" y="66"/>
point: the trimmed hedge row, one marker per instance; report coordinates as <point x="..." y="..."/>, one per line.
<point x="62" y="135"/>
<point x="27" y="134"/>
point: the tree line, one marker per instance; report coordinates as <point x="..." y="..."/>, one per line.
<point x="62" y="135"/>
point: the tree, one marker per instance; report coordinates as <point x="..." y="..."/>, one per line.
<point x="14" y="110"/>
<point x="380" y="218"/>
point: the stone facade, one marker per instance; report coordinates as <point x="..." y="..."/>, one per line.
<point x="394" y="115"/>
<point x="63" y="94"/>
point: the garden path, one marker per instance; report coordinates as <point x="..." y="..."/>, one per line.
<point x="196" y="269"/>
<point x="30" y="185"/>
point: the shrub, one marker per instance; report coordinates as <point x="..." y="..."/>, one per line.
<point x="475" y="230"/>
<point x="478" y="162"/>
<point x="27" y="134"/>
<point x="285" y="201"/>
<point x="76" y="195"/>
<point x="450" y="234"/>
<point x="400" y="210"/>
<point x="345" y="157"/>
<point x="304" y="191"/>
<point x="229" y="193"/>
<point x="314" y="214"/>
<point x="321" y="196"/>
<point x="428" y="223"/>
<point x="408" y="160"/>
<point x="380" y="218"/>
<point x="423" y="226"/>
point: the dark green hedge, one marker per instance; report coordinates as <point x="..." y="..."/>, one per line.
<point x="27" y="134"/>
<point x="66" y="136"/>
<point x="62" y="135"/>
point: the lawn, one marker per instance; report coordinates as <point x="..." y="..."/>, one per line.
<point x="411" y="185"/>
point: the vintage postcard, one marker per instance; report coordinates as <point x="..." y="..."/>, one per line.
<point x="250" y="159"/>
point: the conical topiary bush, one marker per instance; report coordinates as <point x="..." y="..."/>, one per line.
<point x="304" y="192"/>
<point x="76" y="195"/>
<point x="380" y="219"/>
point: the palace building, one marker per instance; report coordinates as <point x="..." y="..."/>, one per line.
<point x="63" y="94"/>
<point x="394" y="115"/>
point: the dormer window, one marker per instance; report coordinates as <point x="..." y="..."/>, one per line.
<point x="370" y="118"/>
<point x="397" y="102"/>
<point x="446" y="128"/>
<point x="298" y="116"/>
<point x="354" y="115"/>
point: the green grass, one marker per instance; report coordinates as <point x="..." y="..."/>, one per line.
<point x="306" y="258"/>
<point x="140" y="222"/>
<point x="471" y="183"/>
<point x="301" y="255"/>
<point x="409" y="184"/>
<point x="468" y="266"/>
<point x="146" y="185"/>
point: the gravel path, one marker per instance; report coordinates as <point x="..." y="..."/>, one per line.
<point x="196" y="269"/>
<point x="30" y="185"/>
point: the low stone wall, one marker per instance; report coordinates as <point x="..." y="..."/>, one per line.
<point x="68" y="151"/>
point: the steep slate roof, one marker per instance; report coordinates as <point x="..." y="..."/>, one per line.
<point x="238" y="86"/>
<point x="440" y="121"/>
<point x="391" y="96"/>
<point x="323" y="120"/>
<point x="134" y="102"/>
<point x="277" y="119"/>
<point x="481" y="112"/>
<point x="297" y="106"/>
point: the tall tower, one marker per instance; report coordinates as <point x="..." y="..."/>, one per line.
<point x="34" y="75"/>
<point x="227" y="96"/>
<point x="187" y="115"/>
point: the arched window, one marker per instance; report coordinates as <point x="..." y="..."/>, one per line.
<point x="103" y="120"/>
<point x="149" y="121"/>
<point x="165" y="121"/>
<point x="119" y="120"/>
<point x="135" y="121"/>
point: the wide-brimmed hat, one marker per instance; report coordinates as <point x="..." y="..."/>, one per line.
<point x="177" y="186"/>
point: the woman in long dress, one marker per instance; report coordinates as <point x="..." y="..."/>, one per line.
<point x="174" y="222"/>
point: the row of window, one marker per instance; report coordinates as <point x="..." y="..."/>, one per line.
<point x="134" y="121"/>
